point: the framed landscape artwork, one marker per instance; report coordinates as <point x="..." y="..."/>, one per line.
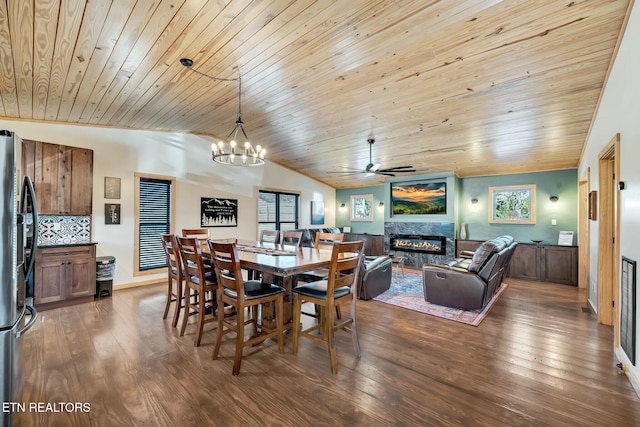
<point x="419" y="198"/>
<point x="515" y="204"/>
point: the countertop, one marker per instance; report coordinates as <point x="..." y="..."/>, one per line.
<point x="67" y="245"/>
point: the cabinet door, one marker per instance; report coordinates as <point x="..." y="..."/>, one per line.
<point x="81" y="277"/>
<point x="525" y="263"/>
<point x="377" y="245"/>
<point x="47" y="178"/>
<point x="81" y="185"/>
<point x="559" y="264"/>
<point x="50" y="277"/>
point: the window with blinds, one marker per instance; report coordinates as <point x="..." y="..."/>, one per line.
<point x="277" y="210"/>
<point x="154" y="218"/>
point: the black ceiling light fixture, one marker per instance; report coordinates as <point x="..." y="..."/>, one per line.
<point x="227" y="152"/>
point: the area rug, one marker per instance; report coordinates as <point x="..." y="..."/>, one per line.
<point x="407" y="292"/>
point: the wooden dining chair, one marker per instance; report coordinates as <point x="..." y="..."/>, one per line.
<point x="338" y="289"/>
<point x="200" y="288"/>
<point x="174" y="275"/>
<point x="202" y="235"/>
<point x="325" y="240"/>
<point x="241" y="294"/>
<point x="266" y="236"/>
<point x="198" y="233"/>
<point x="291" y="238"/>
<point x="270" y="236"/>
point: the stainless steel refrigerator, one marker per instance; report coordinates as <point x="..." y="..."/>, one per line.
<point x="18" y="240"/>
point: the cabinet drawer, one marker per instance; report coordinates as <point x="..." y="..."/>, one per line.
<point x="66" y="251"/>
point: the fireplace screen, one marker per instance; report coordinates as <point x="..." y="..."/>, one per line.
<point x="414" y="243"/>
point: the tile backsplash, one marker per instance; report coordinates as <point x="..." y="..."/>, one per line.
<point x="63" y="230"/>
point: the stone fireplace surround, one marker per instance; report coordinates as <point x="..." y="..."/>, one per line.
<point x="418" y="259"/>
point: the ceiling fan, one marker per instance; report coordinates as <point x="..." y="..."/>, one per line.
<point x="374" y="168"/>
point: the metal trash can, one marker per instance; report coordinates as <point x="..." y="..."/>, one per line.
<point x="105" y="270"/>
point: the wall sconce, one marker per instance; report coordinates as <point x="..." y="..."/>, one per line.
<point x="381" y="204"/>
<point x="474" y="201"/>
<point x="342" y="205"/>
<point x="554" y="199"/>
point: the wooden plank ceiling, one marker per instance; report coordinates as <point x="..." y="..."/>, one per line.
<point x="478" y="87"/>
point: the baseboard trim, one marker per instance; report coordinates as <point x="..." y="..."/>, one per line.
<point x="138" y="284"/>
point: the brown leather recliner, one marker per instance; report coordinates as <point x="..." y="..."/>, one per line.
<point x="469" y="284"/>
<point x="375" y="276"/>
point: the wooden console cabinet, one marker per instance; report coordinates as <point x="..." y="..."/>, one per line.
<point x="545" y="263"/>
<point x="373" y="243"/>
<point x="62" y="177"/>
<point x="65" y="275"/>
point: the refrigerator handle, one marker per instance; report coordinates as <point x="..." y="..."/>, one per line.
<point x="28" y="191"/>
<point x="34" y="316"/>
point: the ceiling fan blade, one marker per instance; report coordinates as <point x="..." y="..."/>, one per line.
<point x="348" y="173"/>
<point x="384" y="173"/>
<point x="397" y="168"/>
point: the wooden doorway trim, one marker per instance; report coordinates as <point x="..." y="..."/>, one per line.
<point x="608" y="230"/>
<point x="584" y="244"/>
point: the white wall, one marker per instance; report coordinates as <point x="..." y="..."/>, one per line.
<point x="121" y="153"/>
<point x="619" y="113"/>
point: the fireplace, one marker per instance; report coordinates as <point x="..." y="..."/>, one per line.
<point x="436" y="245"/>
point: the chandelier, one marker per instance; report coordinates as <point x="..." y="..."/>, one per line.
<point x="231" y="151"/>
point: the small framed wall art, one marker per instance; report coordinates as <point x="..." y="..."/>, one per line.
<point x="317" y="212"/>
<point x="112" y="213"/>
<point x="362" y="207"/>
<point x="111" y="187"/>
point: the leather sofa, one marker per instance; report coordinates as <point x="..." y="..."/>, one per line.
<point x="375" y="277"/>
<point x="469" y="283"/>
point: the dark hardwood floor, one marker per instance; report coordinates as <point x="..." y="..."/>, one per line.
<point x="537" y="359"/>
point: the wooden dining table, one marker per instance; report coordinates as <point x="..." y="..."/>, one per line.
<point x="278" y="264"/>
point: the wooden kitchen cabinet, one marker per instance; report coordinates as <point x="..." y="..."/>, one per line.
<point x="545" y="263"/>
<point x="373" y="243"/>
<point x="62" y="177"/>
<point x="65" y="275"/>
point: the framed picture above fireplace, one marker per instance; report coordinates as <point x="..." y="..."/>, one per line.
<point x="419" y="198"/>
